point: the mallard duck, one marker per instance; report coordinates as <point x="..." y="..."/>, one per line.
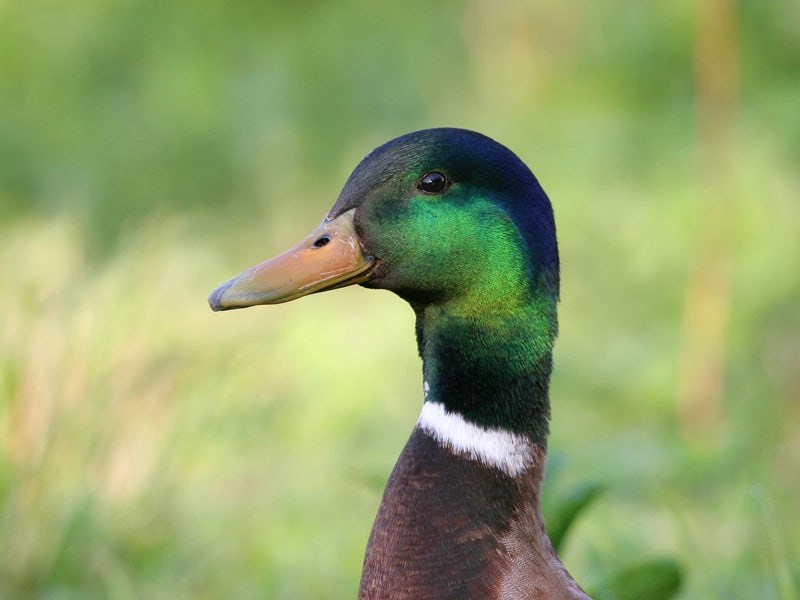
<point x="455" y="224"/>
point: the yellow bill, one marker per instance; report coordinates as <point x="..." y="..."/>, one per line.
<point x="331" y="256"/>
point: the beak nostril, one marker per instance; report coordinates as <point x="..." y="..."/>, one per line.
<point x="320" y="242"/>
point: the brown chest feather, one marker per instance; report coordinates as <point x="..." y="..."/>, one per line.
<point x="451" y="527"/>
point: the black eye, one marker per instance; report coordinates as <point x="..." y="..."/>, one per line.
<point x="433" y="183"/>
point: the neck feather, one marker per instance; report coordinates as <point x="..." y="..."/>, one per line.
<point x="492" y="370"/>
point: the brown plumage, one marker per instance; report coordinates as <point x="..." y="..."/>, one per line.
<point x="452" y="528"/>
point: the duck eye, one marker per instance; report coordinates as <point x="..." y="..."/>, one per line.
<point x="433" y="183"/>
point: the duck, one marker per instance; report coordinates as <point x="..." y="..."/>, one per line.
<point x="455" y="224"/>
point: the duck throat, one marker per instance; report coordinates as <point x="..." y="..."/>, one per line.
<point x="493" y="371"/>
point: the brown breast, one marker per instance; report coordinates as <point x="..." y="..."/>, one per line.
<point x="452" y="528"/>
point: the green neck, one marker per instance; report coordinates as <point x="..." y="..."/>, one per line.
<point x="494" y="370"/>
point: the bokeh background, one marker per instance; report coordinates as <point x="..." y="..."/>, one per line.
<point x="149" y="150"/>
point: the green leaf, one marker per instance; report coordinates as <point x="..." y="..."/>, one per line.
<point x="563" y="511"/>
<point x="656" y="579"/>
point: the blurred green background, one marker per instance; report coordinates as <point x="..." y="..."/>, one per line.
<point x="151" y="150"/>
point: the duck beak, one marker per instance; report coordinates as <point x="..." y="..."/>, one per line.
<point x="330" y="257"/>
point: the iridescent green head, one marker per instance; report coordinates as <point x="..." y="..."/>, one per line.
<point x="454" y="219"/>
<point x="444" y="217"/>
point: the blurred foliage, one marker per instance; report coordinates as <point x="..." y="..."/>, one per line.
<point x="561" y="512"/>
<point x="657" y="579"/>
<point x="654" y="579"/>
<point x="149" y="150"/>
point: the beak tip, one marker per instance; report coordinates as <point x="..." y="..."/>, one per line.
<point x="215" y="299"/>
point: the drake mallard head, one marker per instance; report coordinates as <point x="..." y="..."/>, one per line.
<point x="443" y="217"/>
